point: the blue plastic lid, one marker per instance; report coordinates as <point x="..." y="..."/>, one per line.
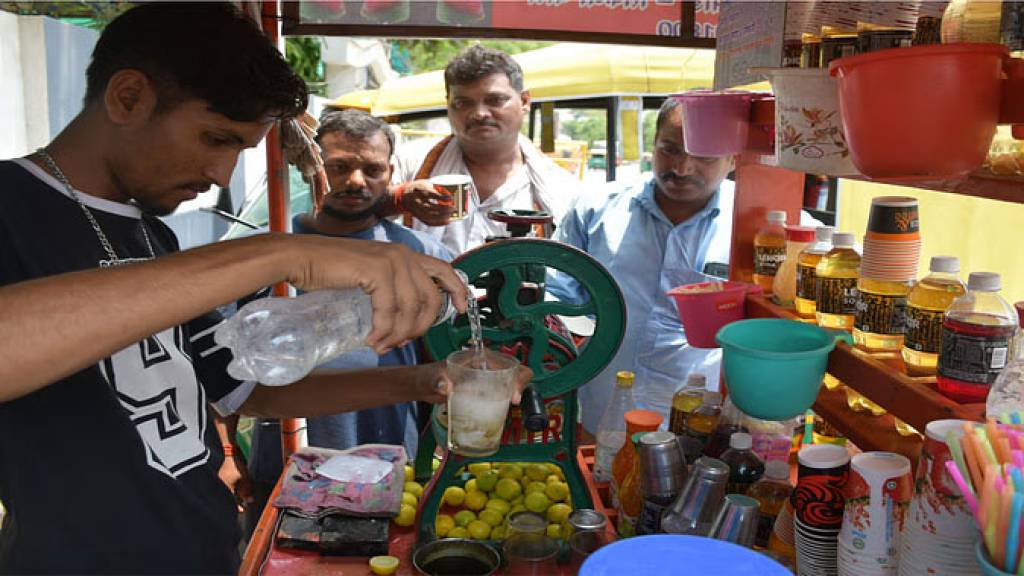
<point x="662" y="554"/>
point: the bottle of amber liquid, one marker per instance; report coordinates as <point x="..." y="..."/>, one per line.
<point x="836" y="292"/>
<point x="769" y="250"/>
<point x="881" y="314"/>
<point x="702" y="421"/>
<point x="806" y="271"/>
<point x="685" y="401"/>
<point x="926" y="308"/>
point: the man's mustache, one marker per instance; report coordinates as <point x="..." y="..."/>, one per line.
<point x="684" y="180"/>
<point x="360" y="193"/>
<point x="490" y="123"/>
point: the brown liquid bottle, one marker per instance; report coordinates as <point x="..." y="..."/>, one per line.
<point x="769" y="250"/>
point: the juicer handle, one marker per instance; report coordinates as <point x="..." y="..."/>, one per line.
<point x="531" y="405"/>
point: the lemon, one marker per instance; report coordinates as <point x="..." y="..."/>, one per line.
<point x="487" y="480"/>
<point x="517" y="508"/>
<point x="554" y="530"/>
<point x="552" y="478"/>
<point x="458" y="532"/>
<point x="476" y="500"/>
<point x="524" y="482"/>
<point x="470" y="485"/>
<point x="517" y="500"/>
<point x="443" y="525"/>
<point x="406" y="515"/>
<point x="478" y="468"/>
<point x="464" y="517"/>
<point x="508" y="489"/>
<point x="413" y="488"/>
<point x="498" y="533"/>
<point x="498" y="504"/>
<point x="513" y="471"/>
<point x="557" y="513"/>
<point x="537" y="502"/>
<point x="491" y="516"/>
<point x="479" y="530"/>
<point x="410" y="474"/>
<point x="536" y="472"/>
<point x="557" y="491"/>
<point x="435" y="464"/>
<point x="409" y="499"/>
<point x="384" y="565"/>
<point x="454" y="496"/>
<point x="554" y="469"/>
<point x="535" y="487"/>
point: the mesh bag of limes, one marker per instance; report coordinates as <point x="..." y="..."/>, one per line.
<point x="478" y="509"/>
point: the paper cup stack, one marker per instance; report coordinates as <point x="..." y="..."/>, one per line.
<point x="877" y="496"/>
<point x="892" y="245"/>
<point x="940" y="534"/>
<point x="818" y="507"/>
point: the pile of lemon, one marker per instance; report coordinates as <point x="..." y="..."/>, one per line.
<point x="496" y="490"/>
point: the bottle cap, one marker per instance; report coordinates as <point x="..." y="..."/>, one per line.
<point x="696" y="380"/>
<point x="741" y="441"/>
<point x="843" y="239"/>
<point x="624" y="379"/>
<point x="777" y="216"/>
<point x="646" y="419"/>
<point x="823" y="233"/>
<point x="799" y="234"/>
<point x="984" y="282"/>
<point x="947" y="264"/>
<point x="777" y="470"/>
<point x="712" y="398"/>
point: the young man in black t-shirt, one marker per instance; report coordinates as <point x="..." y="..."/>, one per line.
<point x="104" y="380"/>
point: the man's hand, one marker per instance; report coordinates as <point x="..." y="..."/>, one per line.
<point x="434" y="384"/>
<point x="432" y="205"/>
<point x="235" y="475"/>
<point x="404" y="286"/>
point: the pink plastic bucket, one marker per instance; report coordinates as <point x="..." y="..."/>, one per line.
<point x="715" y="123"/>
<point x="703" y="313"/>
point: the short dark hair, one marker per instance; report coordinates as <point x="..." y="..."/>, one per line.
<point x="670" y="104"/>
<point x="206" y="50"/>
<point x="478" y="61"/>
<point x="354" y="124"/>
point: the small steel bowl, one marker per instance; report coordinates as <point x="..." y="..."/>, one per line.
<point x="456" y="556"/>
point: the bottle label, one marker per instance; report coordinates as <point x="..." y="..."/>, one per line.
<point x="677" y="421"/>
<point x="880" y="313"/>
<point x="767" y="259"/>
<point x="806" y="277"/>
<point x="765" y="525"/>
<point x="924" y="330"/>
<point x="972" y="358"/>
<point x="836" y="295"/>
<point x="650" y="516"/>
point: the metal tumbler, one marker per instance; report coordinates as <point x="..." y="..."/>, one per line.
<point x="694" y="509"/>
<point x="737" y="520"/>
<point x="662" y="471"/>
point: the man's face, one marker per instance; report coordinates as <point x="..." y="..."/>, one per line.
<point x="179" y="153"/>
<point x="487" y="112"/>
<point x="679" y="176"/>
<point x="358" y="171"/>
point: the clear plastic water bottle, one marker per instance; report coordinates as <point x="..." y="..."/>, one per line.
<point x="278" y="341"/>
<point x="611" y="430"/>
<point x="1007" y="394"/>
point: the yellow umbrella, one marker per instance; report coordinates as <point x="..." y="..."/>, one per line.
<point x="563" y="71"/>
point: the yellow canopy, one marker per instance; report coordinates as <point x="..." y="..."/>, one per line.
<point x="563" y="71"/>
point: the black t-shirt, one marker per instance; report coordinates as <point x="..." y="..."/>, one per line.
<point x="106" y="471"/>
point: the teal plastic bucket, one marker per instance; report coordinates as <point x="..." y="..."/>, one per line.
<point x="774" y="368"/>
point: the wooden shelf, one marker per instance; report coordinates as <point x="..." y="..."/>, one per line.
<point x="881" y="380"/>
<point x="981" y="183"/>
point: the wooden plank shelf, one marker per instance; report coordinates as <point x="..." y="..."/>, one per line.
<point x="913" y="400"/>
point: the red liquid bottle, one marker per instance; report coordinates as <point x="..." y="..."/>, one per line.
<point x="976" y="337"/>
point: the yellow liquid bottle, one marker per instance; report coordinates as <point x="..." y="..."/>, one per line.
<point x="686" y="400"/>
<point x="926" y="308"/>
<point x="881" y="315"/>
<point x="769" y="250"/>
<point x="836" y="286"/>
<point x="806" y="271"/>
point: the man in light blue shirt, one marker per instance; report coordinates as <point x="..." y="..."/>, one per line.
<point x="652" y="236"/>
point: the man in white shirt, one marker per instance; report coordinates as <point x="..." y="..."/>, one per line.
<point x="486" y="107"/>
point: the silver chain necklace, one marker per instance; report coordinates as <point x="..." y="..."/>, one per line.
<point x="104" y="242"/>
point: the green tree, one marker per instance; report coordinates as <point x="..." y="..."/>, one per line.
<point x="303" y="54"/>
<point x="427" y="55"/>
<point x="586" y="125"/>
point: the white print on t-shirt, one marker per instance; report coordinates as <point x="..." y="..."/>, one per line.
<point x="156" y="383"/>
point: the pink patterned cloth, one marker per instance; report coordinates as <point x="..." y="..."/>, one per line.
<point x="308" y="493"/>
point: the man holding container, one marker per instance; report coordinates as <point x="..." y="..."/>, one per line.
<point x="503" y="169"/>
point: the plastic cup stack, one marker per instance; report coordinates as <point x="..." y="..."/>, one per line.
<point x="892" y="244"/>
<point x="877" y="498"/>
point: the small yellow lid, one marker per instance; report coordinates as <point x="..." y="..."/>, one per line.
<point x="624" y="379"/>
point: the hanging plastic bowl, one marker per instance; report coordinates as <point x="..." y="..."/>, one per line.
<point x="921" y="113"/>
<point x="774" y="367"/>
<point x="715" y="124"/>
<point x="707" y="306"/>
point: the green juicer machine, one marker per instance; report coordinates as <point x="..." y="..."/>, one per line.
<point x="515" y="319"/>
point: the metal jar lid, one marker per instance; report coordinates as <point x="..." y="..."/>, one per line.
<point x="586" y="519"/>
